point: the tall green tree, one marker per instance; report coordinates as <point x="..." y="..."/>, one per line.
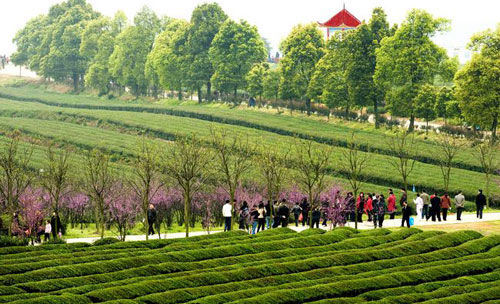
<point x="206" y="21"/>
<point x="128" y="60"/>
<point x="426" y="104"/>
<point x="362" y="45"/>
<point x="167" y="60"/>
<point x="408" y="60"/>
<point x="235" y="49"/>
<point x="28" y="41"/>
<point x="478" y="85"/>
<point x="302" y="49"/>
<point x="271" y="86"/>
<point x="98" y="43"/>
<point x="256" y="79"/>
<point x="329" y="80"/>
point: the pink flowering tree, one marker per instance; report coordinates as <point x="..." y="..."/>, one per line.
<point x="335" y="206"/>
<point x="165" y="201"/>
<point x="77" y="206"/>
<point x="33" y="210"/>
<point x="292" y="195"/>
<point x="123" y="207"/>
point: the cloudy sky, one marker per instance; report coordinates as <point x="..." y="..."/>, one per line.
<point x="275" y="18"/>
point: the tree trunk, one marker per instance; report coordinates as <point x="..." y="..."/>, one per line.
<point x="199" y="95"/>
<point x="75" y="82"/>
<point x="187" y="209"/>
<point x="494" y="127"/>
<point x="411" y="127"/>
<point x="426" y="127"/>
<point x="375" y="112"/>
<point x="235" y="93"/>
<point x="308" y="106"/>
<point x="179" y="94"/>
<point x="209" y="91"/>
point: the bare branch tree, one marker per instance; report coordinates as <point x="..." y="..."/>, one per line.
<point x="449" y="147"/>
<point x="311" y="164"/>
<point x="15" y="176"/>
<point x="55" y="178"/>
<point x="98" y="181"/>
<point x="146" y="181"/>
<point x="273" y="170"/>
<point x="403" y="145"/>
<point x="233" y="156"/>
<point x="487" y="154"/>
<point x="353" y="163"/>
<point x="188" y="163"/>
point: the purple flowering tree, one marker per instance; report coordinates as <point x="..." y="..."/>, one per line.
<point x="335" y="206"/>
<point x="77" y="206"/>
<point x="292" y="195"/>
<point x="165" y="201"/>
<point x="123" y="207"/>
<point x="33" y="209"/>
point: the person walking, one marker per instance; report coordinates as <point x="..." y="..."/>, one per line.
<point x="48" y="231"/>
<point x="305" y="211"/>
<point x="315" y="217"/>
<point x="426" y="199"/>
<point x="360" y="206"/>
<point x="391" y="204"/>
<point x="227" y="210"/>
<point x="254" y="219"/>
<point x="435" y="207"/>
<point x="351" y="205"/>
<point x="297" y="211"/>
<point x="324" y="211"/>
<point x="459" y="204"/>
<point x="55" y="223"/>
<point x="480" y="203"/>
<point x="262" y="217"/>
<point x="276" y="218"/>
<point x="406" y="212"/>
<point x="379" y="209"/>
<point x="151" y="219"/>
<point x="445" y="205"/>
<point x="404" y="197"/>
<point x="243" y="220"/>
<point x="268" y="214"/>
<point x="419" y="204"/>
<point x="284" y="213"/>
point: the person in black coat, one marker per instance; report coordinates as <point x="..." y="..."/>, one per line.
<point x="283" y="213"/>
<point x="151" y="219"/>
<point x="55" y="222"/>
<point x="406" y="212"/>
<point x="268" y="214"/>
<point x="435" y="208"/>
<point x="305" y="211"/>
<point x="480" y="203"/>
<point x="297" y="211"/>
<point x="315" y="216"/>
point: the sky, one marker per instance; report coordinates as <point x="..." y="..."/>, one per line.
<point x="276" y="18"/>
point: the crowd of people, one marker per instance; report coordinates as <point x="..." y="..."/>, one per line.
<point x="48" y="228"/>
<point x="4" y="60"/>
<point x="373" y="206"/>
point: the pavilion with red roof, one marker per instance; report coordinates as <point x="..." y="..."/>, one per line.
<point x="342" y="21"/>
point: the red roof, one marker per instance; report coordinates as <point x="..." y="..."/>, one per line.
<point x="342" y="19"/>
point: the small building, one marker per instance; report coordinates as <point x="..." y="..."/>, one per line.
<point x="342" y="21"/>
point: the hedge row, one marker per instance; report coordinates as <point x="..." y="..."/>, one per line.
<point x="355" y="287"/>
<point x="19" y="296"/>
<point x="440" y="293"/>
<point x="57" y="260"/>
<point x="380" y="294"/>
<point x="492" y="293"/>
<point x="226" y="120"/>
<point x="143" y="288"/>
<point x="226" y="292"/>
<point x="155" y="264"/>
<point x="218" y="265"/>
<point x="59" y="299"/>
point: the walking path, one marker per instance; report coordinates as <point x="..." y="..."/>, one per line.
<point x="452" y="219"/>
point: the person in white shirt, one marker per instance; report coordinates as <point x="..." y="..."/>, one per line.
<point x="48" y="230"/>
<point x="227" y="210"/>
<point x="419" y="204"/>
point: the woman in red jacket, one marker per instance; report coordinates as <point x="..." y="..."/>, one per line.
<point x="369" y="207"/>
<point x="391" y="204"/>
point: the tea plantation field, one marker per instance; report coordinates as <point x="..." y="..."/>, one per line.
<point x="275" y="266"/>
<point x="83" y="122"/>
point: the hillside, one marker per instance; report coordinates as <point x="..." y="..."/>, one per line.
<point x="83" y="122"/>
